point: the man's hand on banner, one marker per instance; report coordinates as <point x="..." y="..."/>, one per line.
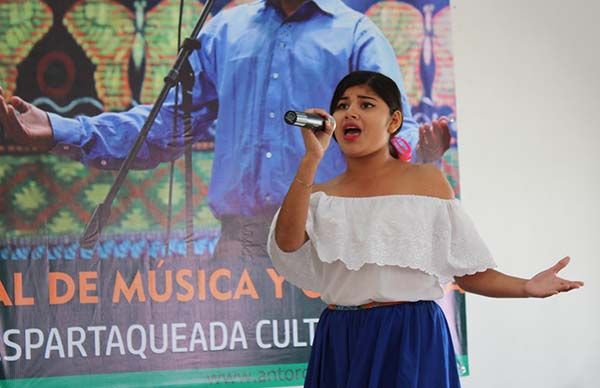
<point x="24" y="123"/>
<point x="434" y="140"/>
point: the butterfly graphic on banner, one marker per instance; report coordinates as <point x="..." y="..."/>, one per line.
<point x="22" y="25"/>
<point x="115" y="37"/>
<point x="421" y="39"/>
<point x="422" y="42"/>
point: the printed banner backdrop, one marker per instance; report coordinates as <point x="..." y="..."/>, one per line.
<point x="138" y="309"/>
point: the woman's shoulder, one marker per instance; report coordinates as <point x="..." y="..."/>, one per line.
<point x="325" y="187"/>
<point x="429" y="180"/>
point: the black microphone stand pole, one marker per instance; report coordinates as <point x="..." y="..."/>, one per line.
<point x="94" y="227"/>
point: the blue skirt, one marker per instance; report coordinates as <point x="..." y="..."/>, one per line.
<point x="398" y="346"/>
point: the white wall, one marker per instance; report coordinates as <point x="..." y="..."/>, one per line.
<point x="528" y="92"/>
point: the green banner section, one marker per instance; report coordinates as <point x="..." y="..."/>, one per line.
<point x="248" y="377"/>
<point x="462" y="362"/>
<point x="283" y="375"/>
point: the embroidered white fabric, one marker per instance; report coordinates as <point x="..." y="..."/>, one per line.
<point x="385" y="248"/>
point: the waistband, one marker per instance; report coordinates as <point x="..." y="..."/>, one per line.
<point x="364" y="306"/>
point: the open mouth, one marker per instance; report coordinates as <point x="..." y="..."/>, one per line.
<point x="351" y="133"/>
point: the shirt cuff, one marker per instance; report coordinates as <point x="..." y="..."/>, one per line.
<point x="64" y="130"/>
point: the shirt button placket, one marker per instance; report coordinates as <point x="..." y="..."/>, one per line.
<point x="274" y="88"/>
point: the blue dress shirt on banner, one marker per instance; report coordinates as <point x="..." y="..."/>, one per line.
<point x="253" y="66"/>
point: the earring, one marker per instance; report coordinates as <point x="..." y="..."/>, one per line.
<point x="402" y="147"/>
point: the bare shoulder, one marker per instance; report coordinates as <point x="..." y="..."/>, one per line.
<point x="318" y="187"/>
<point x="431" y="181"/>
<point x="325" y="187"/>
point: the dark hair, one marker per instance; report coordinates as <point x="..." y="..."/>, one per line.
<point x="382" y="85"/>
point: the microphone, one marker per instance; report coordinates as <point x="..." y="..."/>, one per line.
<point x="307" y="120"/>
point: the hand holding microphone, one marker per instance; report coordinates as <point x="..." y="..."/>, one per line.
<point x="308" y="120"/>
<point x="317" y="128"/>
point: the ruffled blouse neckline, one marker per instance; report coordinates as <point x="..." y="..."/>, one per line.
<point x="385" y="196"/>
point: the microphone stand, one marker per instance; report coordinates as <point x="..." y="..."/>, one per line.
<point x="94" y="227"/>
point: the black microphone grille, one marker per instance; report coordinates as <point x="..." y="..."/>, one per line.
<point x="290" y="117"/>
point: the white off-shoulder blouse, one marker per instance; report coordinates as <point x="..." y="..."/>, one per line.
<point x="382" y="249"/>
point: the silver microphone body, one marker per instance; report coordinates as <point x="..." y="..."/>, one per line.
<point x="307" y="120"/>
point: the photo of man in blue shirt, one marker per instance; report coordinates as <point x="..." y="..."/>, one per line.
<point x="257" y="61"/>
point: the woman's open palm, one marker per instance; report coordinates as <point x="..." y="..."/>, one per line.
<point x="548" y="283"/>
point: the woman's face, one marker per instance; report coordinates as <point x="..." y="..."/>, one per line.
<point x="363" y="122"/>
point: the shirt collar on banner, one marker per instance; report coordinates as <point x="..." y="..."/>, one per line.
<point x="330" y="7"/>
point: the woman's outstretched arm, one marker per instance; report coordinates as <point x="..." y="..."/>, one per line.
<point x="496" y="284"/>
